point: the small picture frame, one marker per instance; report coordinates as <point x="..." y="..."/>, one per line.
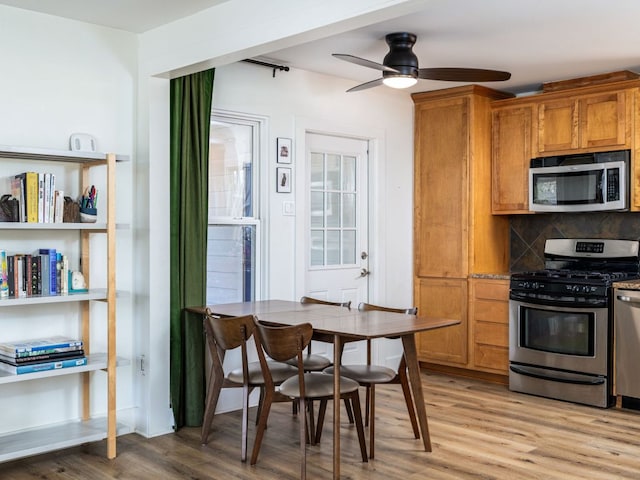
<point x="283" y="177"/>
<point x="284" y="150"/>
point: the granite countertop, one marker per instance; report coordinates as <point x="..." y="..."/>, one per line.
<point x="495" y="276"/>
<point x="628" y="284"/>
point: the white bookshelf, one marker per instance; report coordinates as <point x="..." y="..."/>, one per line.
<point x="84" y="428"/>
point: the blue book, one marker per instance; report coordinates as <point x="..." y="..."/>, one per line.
<point x="15" y="348"/>
<point x="53" y="272"/>
<point x="43" y="367"/>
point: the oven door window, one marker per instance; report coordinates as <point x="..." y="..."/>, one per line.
<point x="562" y="332"/>
<point x="568" y="188"/>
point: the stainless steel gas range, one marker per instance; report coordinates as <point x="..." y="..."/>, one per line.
<point x="560" y="320"/>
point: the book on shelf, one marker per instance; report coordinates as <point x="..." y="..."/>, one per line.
<point x="44" y="357"/>
<point x="42" y="367"/>
<point x="52" y="260"/>
<point x="46" y="351"/>
<point x="4" y="275"/>
<point x="29" y="195"/>
<point x="38" y="345"/>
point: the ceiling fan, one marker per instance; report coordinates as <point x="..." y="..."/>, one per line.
<point x="400" y="67"/>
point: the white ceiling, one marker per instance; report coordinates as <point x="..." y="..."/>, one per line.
<point x="536" y="40"/>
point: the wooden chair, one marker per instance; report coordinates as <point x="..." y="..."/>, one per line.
<point x="282" y="343"/>
<point x="315" y="362"/>
<point x="369" y="375"/>
<point x="223" y="334"/>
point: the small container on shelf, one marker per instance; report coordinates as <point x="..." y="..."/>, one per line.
<point x="88" y="215"/>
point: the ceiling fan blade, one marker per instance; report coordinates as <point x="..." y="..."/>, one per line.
<point x="363" y="62"/>
<point x="463" y="74"/>
<point x="364" y="86"/>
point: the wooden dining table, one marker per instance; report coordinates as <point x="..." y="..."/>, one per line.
<point x="346" y="325"/>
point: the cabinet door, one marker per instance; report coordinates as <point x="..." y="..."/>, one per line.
<point x="489" y="313"/>
<point x="445" y="298"/>
<point x="441" y="187"/>
<point x="558" y="126"/>
<point x="603" y="121"/>
<point x="511" y="154"/>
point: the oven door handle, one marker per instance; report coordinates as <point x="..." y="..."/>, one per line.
<point x="628" y="299"/>
<point x="576" y="381"/>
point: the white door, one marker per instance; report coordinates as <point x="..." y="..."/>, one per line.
<point x="336" y="228"/>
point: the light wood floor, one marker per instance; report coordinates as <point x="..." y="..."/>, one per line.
<point x="478" y="430"/>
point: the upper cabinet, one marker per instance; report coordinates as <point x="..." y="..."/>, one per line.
<point x="582" y="115"/>
<point x="584" y="122"/>
<point x="512" y="130"/>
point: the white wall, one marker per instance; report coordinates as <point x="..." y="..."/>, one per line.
<point x="63" y="76"/>
<point x="60" y="77"/>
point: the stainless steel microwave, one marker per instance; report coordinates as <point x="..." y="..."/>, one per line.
<point x="586" y="182"/>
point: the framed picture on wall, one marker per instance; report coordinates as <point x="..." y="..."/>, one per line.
<point x="283" y="176"/>
<point x="284" y="150"/>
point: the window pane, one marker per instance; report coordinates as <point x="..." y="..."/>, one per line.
<point x="230" y="263"/>
<point x="333" y="247"/>
<point x="349" y="210"/>
<point x="317" y="209"/>
<point x="333" y="210"/>
<point x="230" y="170"/>
<point x="317" y="247"/>
<point x="349" y="247"/>
<point x="333" y="172"/>
<point x="349" y="174"/>
<point x="317" y="171"/>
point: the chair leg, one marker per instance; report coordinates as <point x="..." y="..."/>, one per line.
<point x="371" y="391"/>
<point x="357" y="413"/>
<point x="408" y="399"/>
<point x="213" y="394"/>
<point x="260" y="402"/>
<point x="367" y="401"/>
<point x="245" y="421"/>
<point x="303" y="442"/>
<point x="347" y="407"/>
<point x="311" y="431"/>
<point x="321" y="413"/>
<point x="262" y="425"/>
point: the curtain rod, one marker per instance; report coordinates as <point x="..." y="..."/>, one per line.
<point x="266" y="64"/>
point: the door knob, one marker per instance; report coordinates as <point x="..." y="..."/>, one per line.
<point x="363" y="273"/>
<point x="363" y="255"/>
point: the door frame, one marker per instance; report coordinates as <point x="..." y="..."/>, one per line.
<point x="376" y="195"/>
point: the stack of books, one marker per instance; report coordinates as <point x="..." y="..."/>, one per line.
<point x="40" y="355"/>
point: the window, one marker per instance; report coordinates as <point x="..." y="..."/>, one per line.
<point x="234" y="226"/>
<point x="333" y="210"/>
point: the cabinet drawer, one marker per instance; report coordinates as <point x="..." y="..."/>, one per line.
<point x="491" y="311"/>
<point x="487" y="333"/>
<point x="494" y="358"/>
<point x="491" y="290"/>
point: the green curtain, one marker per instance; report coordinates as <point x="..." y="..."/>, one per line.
<point x="191" y="98"/>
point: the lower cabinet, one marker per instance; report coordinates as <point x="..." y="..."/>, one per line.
<point x="481" y="341"/>
<point x="489" y="325"/>
<point x="447" y="298"/>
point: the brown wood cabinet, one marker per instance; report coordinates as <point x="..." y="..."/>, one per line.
<point x="574" y="120"/>
<point x="580" y="122"/>
<point x="512" y="129"/>
<point x="489" y="324"/>
<point x="455" y="233"/>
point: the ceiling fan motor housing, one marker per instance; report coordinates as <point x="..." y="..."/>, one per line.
<point x="401" y="56"/>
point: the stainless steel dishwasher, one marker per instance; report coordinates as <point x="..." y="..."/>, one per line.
<point x="627" y="342"/>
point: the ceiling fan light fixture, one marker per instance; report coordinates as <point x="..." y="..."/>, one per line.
<point x="400" y="81"/>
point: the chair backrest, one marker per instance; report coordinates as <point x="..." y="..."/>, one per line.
<point x="283" y="342"/>
<point x="363" y="307"/>
<point x="306" y="299"/>
<point x="227" y="333"/>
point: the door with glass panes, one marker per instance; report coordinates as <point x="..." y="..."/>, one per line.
<point x="336" y="252"/>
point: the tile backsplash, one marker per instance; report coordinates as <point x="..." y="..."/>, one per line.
<point x="528" y="233"/>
